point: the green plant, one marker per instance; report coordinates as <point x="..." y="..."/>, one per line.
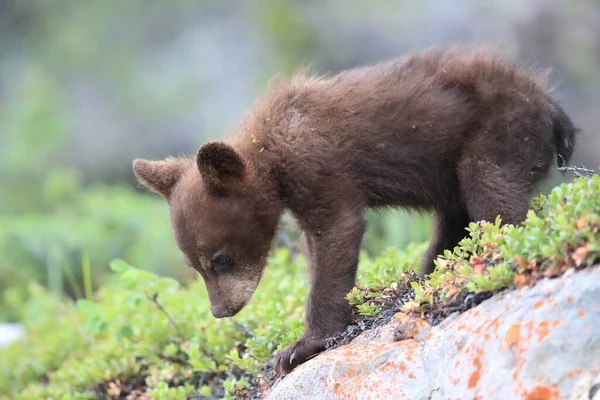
<point x="68" y="248"/>
<point x="561" y="231"/>
<point x="146" y="333"/>
<point x="369" y="309"/>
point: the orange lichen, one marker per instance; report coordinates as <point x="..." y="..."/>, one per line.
<point x="543" y="330"/>
<point x="556" y="322"/>
<point x="570" y="298"/>
<point x="518" y="369"/>
<point x="540" y="393"/>
<point x="538" y="304"/>
<point x="476" y="375"/>
<point x="495" y="323"/>
<point x="410" y="326"/>
<point x="351" y="377"/>
<point x="474" y="378"/>
<point x="512" y="337"/>
<point x="529" y="326"/>
<point x="517" y="339"/>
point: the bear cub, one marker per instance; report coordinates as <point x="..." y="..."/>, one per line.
<point x="458" y="133"/>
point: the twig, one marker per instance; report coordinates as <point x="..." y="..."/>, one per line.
<point x="246" y="330"/>
<point x="201" y="380"/>
<point x="580" y="171"/>
<point x="154" y="299"/>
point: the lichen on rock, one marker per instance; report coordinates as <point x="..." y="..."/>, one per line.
<point x="538" y="342"/>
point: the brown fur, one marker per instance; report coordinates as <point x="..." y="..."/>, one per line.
<point x="458" y="133"/>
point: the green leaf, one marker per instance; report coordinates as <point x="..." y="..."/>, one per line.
<point x="126" y="331"/>
<point x="234" y="355"/>
<point x="119" y="265"/>
<point x="135" y="298"/>
<point x="94" y="325"/>
<point x="89" y="307"/>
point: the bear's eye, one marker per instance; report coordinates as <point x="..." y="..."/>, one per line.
<point x="221" y="261"/>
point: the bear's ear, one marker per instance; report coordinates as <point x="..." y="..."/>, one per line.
<point x="220" y="165"/>
<point x="159" y="176"/>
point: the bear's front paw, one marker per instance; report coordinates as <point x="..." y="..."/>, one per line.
<point x="297" y="353"/>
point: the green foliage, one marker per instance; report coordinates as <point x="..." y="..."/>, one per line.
<point x="68" y="247"/>
<point x="562" y="230"/>
<point x="56" y="231"/>
<point x="384" y="269"/>
<point x="369" y="309"/>
<point x="379" y="276"/>
<point x="397" y="228"/>
<point x="33" y="125"/>
<point x="32" y="130"/>
<point x="147" y="331"/>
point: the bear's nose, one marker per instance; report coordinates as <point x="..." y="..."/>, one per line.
<point x="219" y="310"/>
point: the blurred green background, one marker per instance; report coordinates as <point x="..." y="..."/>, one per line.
<point x="86" y="86"/>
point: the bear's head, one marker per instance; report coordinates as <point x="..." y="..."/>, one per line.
<point x="222" y="217"/>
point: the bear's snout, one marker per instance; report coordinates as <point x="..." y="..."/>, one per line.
<point x="220" y="311"/>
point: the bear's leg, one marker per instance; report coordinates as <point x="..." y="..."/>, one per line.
<point x="489" y="190"/>
<point x="333" y="249"/>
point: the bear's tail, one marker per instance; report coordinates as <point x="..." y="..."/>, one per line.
<point x="564" y="134"/>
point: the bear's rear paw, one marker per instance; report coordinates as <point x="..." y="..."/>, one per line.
<point x="297" y="353"/>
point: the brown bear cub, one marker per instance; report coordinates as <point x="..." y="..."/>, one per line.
<point x="455" y="132"/>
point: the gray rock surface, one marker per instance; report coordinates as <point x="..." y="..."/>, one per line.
<point x="540" y="343"/>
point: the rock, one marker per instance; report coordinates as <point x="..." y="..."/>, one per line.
<point x="540" y="343"/>
<point x="594" y="393"/>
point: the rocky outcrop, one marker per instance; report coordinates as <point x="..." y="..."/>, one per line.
<point x="541" y="342"/>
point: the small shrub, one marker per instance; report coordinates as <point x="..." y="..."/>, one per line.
<point x="562" y="231"/>
<point x="145" y="333"/>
